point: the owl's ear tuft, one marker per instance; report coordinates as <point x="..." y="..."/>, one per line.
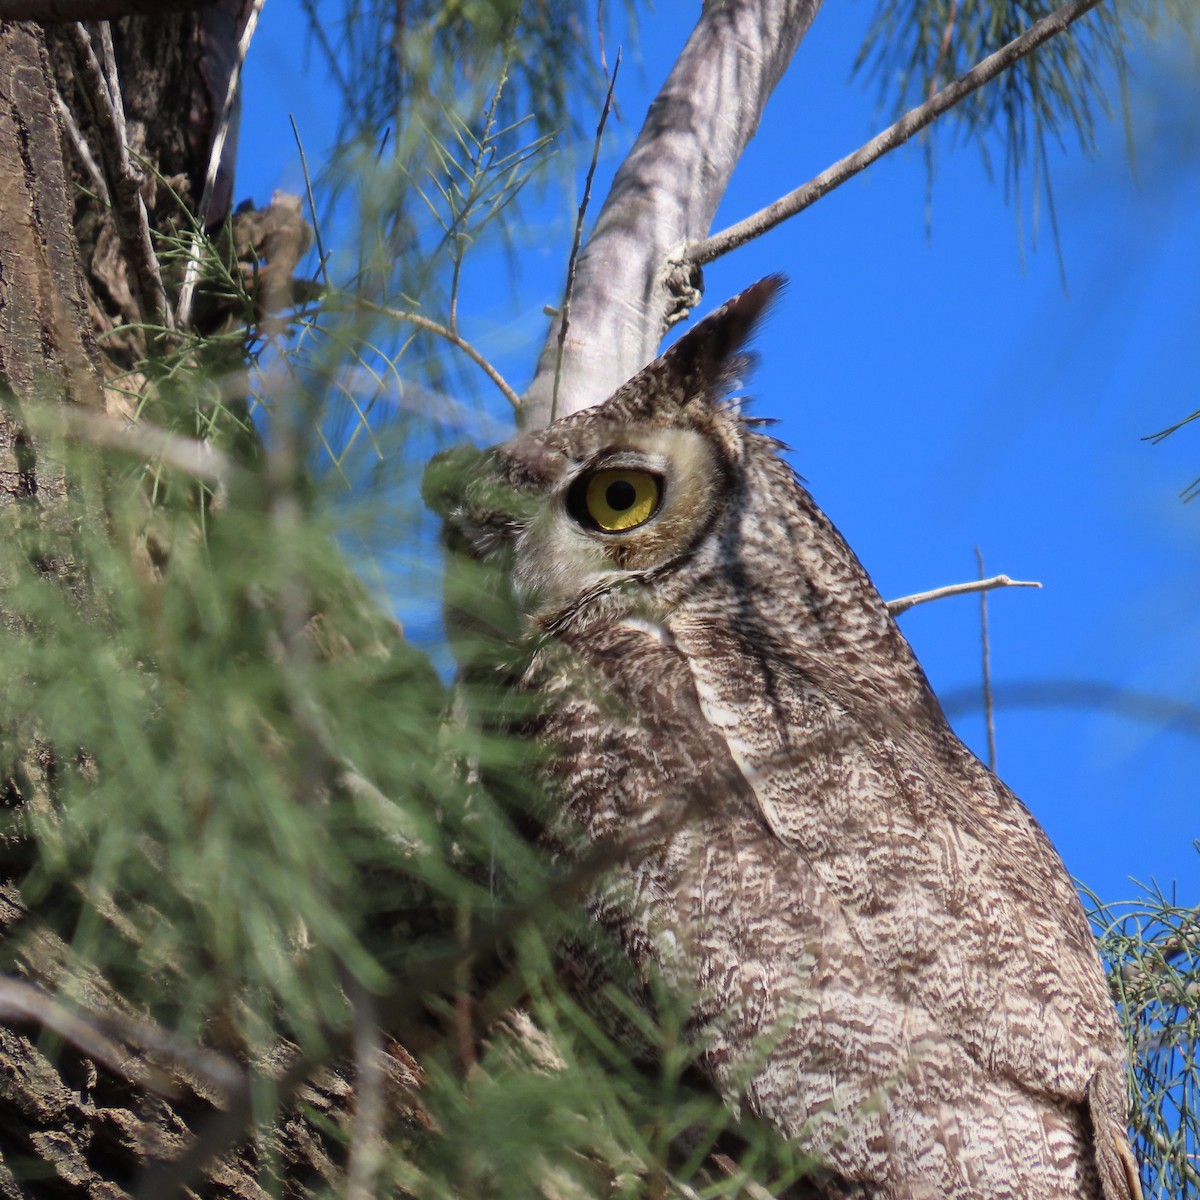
<point x="706" y="360"/>
<point x="700" y="367"/>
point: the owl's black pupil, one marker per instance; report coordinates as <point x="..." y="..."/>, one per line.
<point x="620" y="495"/>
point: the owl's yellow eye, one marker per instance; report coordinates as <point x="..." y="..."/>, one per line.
<point x="619" y="499"/>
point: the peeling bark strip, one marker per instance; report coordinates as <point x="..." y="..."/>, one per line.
<point x="101" y="91"/>
<point x="664" y="197"/>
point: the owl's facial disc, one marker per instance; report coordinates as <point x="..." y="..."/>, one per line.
<point x="629" y="500"/>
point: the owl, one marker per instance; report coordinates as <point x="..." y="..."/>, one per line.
<point x="886" y="958"/>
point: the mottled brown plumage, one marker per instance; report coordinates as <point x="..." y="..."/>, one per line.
<point x="890" y="962"/>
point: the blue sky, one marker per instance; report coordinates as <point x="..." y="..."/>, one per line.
<point x="942" y="391"/>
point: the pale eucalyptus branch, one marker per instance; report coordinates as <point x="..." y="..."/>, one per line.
<point x="565" y="320"/>
<point x="664" y="196"/>
<point x="913" y="121"/>
<point x="904" y="603"/>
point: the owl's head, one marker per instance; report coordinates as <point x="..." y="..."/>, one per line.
<point x="597" y="507"/>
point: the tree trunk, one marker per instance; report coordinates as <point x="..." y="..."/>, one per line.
<point x="71" y="1126"/>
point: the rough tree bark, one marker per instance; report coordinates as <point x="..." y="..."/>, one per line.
<point x="73" y="1125"/>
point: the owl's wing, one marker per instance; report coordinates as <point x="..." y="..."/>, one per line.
<point x="945" y="878"/>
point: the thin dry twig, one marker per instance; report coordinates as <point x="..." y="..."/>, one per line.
<point x="25" y="1004"/>
<point x="896" y="607"/>
<point x="573" y="261"/>
<point x="191" y="275"/>
<point x="212" y="1070"/>
<point x="989" y="707"/>
<point x="731" y="1170"/>
<point x="81" y="148"/>
<point x="463" y="1002"/>
<point x="912" y="122"/>
<point x="124" y="185"/>
<point x="453" y="338"/>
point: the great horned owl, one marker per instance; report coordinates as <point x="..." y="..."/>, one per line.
<point x="892" y="966"/>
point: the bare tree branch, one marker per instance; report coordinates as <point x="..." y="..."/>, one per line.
<point x="896" y="607"/>
<point x="664" y="196"/>
<point x="913" y="121"/>
<point x="366" y="1139"/>
<point x="25" y="1004"/>
<point x="81" y="148"/>
<point x="197" y="458"/>
<point x="564" y="323"/>
<point x="453" y="338"/>
<point x="1164" y="712"/>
